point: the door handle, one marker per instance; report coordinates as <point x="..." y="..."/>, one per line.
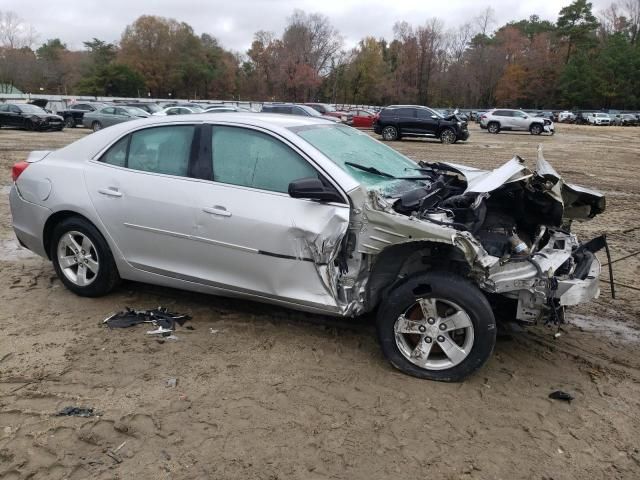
<point x="111" y="191"/>
<point x="217" y="210"/>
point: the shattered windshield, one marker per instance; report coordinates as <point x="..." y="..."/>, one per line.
<point x="352" y="150"/>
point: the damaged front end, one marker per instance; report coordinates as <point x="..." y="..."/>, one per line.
<point x="508" y="230"/>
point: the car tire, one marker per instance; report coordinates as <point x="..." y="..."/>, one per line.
<point x="406" y="335"/>
<point x="536" y="129"/>
<point x="390" y="133"/>
<point x="69" y="122"/>
<point x="493" y="127"/>
<point x="82" y="258"/>
<point x="448" y="136"/>
<point x="96" y="126"/>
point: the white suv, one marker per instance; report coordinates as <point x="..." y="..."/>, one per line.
<point x="505" y="119"/>
<point x="599" y="119"/>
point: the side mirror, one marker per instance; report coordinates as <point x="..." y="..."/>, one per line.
<point x="435" y="117"/>
<point x="313" y="189"/>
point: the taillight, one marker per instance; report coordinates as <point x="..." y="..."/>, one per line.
<point x="483" y="117"/>
<point x="17" y="169"/>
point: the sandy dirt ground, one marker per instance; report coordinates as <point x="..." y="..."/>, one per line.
<point x="267" y="393"/>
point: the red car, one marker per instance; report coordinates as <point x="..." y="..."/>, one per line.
<point x="363" y="118"/>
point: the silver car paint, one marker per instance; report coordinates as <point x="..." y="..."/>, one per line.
<point x="276" y="248"/>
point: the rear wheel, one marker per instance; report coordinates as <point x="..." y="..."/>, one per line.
<point x="448" y="136"/>
<point x="436" y="326"/>
<point x="536" y="129"/>
<point x="96" y="126"/>
<point x="493" y="127"/>
<point x="389" y="133"/>
<point x="82" y="258"/>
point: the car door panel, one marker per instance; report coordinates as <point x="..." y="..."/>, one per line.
<point x="267" y="243"/>
<point x="149" y="211"/>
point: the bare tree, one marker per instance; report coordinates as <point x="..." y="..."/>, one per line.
<point x="15" y="33"/>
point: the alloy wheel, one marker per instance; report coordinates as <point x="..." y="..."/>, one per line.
<point x="434" y="334"/>
<point x="447" y="136"/>
<point x="389" y="133"/>
<point x="78" y="258"/>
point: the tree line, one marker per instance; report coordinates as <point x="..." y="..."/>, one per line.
<point x="583" y="60"/>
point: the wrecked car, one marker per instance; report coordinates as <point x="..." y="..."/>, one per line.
<point x="318" y="217"/>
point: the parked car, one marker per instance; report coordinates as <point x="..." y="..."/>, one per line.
<point x="615" y="117"/>
<point x="397" y="121"/>
<point x="148" y="107"/>
<point x="566" y="117"/>
<point x="111" y="115"/>
<point x="292" y="109"/>
<point x="361" y="118"/>
<point x="629" y="120"/>
<point x="179" y="111"/>
<point x="505" y="119"/>
<point x="582" y="118"/>
<point x="29" y="117"/>
<point x="598" y="118"/>
<point x="75" y="112"/>
<point x="346" y="226"/>
<point x="331" y="111"/>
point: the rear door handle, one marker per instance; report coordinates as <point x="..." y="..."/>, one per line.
<point x="217" y="210"/>
<point x="111" y="191"/>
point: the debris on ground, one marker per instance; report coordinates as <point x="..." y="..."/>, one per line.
<point x="164" y="320"/>
<point x="560" y="395"/>
<point x="172" y="382"/>
<point x="76" y="412"/>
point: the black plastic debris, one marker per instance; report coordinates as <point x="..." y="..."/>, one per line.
<point x="164" y="320"/>
<point x="76" y="412"/>
<point x="560" y="395"/>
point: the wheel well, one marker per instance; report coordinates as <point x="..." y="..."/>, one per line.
<point x="398" y="262"/>
<point x="54" y="220"/>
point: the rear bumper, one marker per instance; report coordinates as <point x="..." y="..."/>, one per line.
<point x="28" y="222"/>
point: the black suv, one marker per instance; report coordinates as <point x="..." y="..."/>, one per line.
<point x="397" y="121"/>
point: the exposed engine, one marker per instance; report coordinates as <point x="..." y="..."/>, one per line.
<point x="524" y="221"/>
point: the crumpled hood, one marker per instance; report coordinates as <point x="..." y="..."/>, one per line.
<point x="575" y="202"/>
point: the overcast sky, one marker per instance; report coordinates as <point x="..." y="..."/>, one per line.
<point x="233" y="22"/>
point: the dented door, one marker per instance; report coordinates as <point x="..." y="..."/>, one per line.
<point x="268" y="243"/>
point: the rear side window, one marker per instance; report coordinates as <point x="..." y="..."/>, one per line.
<point x="163" y="150"/>
<point x="502" y="113"/>
<point x="253" y="159"/>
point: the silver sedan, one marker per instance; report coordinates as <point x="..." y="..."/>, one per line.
<point x="111" y="115"/>
<point x="316" y="216"/>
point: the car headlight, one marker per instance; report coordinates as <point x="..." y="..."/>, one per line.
<point x="459" y="124"/>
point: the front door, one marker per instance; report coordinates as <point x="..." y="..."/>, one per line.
<point x="258" y="239"/>
<point x="427" y="124"/>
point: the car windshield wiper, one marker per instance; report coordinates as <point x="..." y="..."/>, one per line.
<point x="375" y="171"/>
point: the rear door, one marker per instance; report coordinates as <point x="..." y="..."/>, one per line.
<point x="253" y="237"/>
<point x="142" y="191"/>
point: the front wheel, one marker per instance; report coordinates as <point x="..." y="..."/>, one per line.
<point x="448" y="136"/>
<point x="69" y="122"/>
<point x="436" y="326"/>
<point x="389" y="133"/>
<point x="82" y="258"/>
<point x="536" y="129"/>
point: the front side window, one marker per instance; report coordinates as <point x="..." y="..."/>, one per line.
<point x="163" y="150"/>
<point x="254" y="159"/>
